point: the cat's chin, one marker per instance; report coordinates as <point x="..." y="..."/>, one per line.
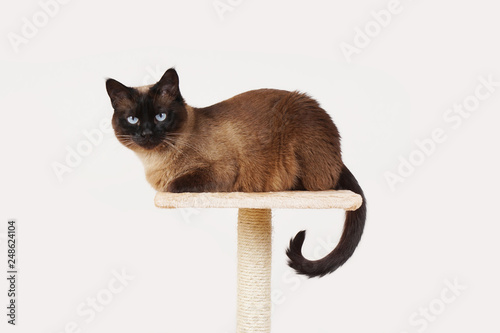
<point x="148" y="145"/>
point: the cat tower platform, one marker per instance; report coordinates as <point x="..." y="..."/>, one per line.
<point x="254" y="239"/>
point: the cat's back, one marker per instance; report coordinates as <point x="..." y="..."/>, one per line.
<point x="259" y="105"/>
<point x="256" y="100"/>
<point x="266" y="113"/>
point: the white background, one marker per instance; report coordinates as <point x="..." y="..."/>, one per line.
<point x="438" y="225"/>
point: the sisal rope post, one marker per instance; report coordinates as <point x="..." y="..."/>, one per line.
<point x="254" y="271"/>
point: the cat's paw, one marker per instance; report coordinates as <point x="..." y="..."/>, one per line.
<point x="189" y="183"/>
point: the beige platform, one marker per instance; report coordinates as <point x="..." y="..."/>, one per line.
<point x="254" y="239"/>
<point x="345" y="200"/>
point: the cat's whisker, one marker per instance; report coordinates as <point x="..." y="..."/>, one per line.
<point x="128" y="144"/>
<point x="181" y="134"/>
<point x="126" y="140"/>
<point x="170" y="144"/>
<point x="186" y="143"/>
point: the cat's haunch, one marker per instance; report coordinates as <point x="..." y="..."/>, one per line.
<point x="260" y="140"/>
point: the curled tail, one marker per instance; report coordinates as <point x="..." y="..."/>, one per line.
<point x="351" y="235"/>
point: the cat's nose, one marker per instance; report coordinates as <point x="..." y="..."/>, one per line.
<point x="147" y="133"/>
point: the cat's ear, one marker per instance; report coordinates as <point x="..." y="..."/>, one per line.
<point x="169" y="84"/>
<point x="119" y="94"/>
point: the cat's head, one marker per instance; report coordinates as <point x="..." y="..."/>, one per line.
<point x="147" y="118"/>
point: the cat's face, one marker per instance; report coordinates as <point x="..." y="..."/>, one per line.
<point x="147" y="118"/>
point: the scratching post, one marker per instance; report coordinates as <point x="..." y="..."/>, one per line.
<point x="254" y="270"/>
<point x="254" y="239"/>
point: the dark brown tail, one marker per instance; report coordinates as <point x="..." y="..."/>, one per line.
<point x="353" y="230"/>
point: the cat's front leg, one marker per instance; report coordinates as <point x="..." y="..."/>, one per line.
<point x="198" y="180"/>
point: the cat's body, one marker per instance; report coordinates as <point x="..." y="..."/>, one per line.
<point x="221" y="142"/>
<point x="261" y="140"/>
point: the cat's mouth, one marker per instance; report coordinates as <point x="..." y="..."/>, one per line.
<point x="134" y="141"/>
<point x="147" y="143"/>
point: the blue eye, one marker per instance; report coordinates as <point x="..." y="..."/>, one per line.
<point x="161" y="116"/>
<point x="133" y="120"/>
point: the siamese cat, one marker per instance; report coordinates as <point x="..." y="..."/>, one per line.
<point x="258" y="141"/>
